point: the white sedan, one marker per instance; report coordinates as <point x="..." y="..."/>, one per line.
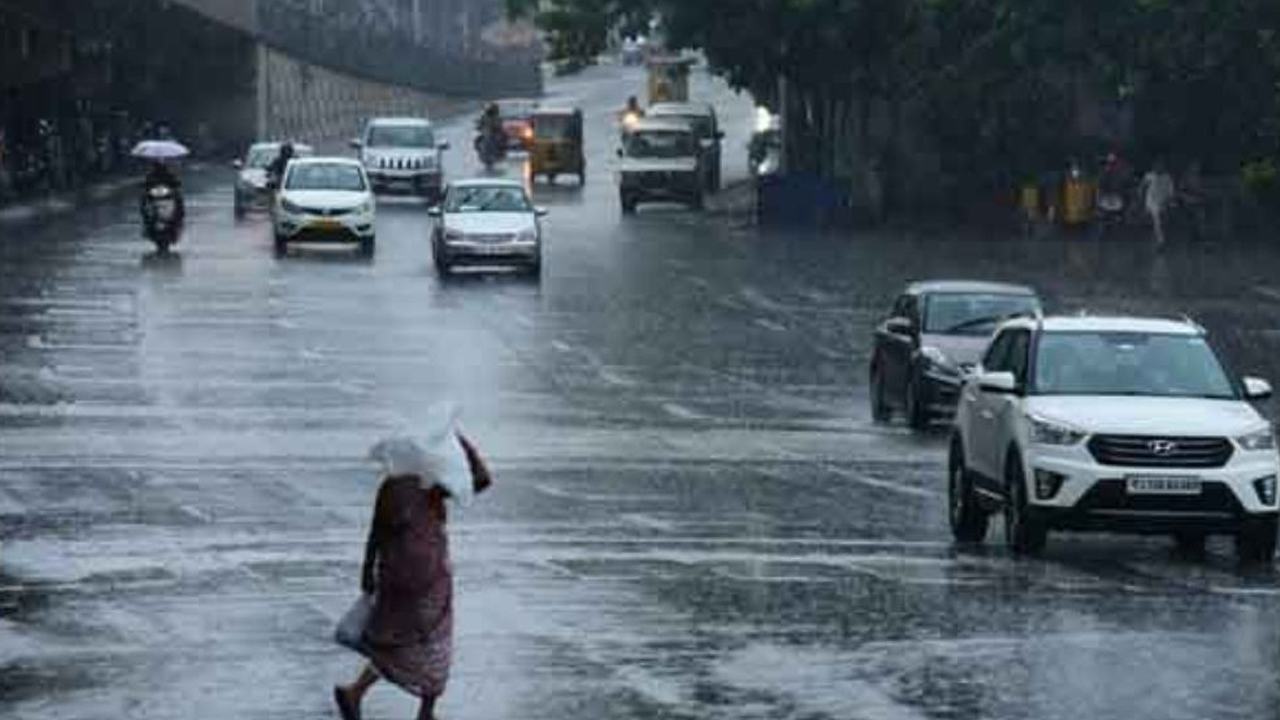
<point x="487" y="222"/>
<point x="325" y="200"/>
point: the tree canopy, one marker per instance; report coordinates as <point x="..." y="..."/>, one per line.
<point x="1003" y="85"/>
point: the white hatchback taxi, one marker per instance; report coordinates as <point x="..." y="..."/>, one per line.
<point x="325" y="200"/>
<point x="1112" y="424"/>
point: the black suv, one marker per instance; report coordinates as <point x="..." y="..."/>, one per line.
<point x="934" y="333"/>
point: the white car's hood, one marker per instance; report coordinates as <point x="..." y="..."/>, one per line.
<point x="254" y="177"/>
<point x="335" y="199"/>
<point x="489" y="223"/>
<point x="1181" y="417"/>
<point x="959" y="349"/>
<point x="639" y="165"/>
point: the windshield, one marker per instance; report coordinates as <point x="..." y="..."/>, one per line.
<point x="701" y="124"/>
<point x="1114" y="363"/>
<point x="487" y="199"/>
<point x="401" y="136"/>
<point x="320" y="176"/>
<point x="973" y="313"/>
<point x="659" y="144"/>
<point x="260" y="157"/>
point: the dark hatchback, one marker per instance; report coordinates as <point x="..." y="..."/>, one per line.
<point x="935" y="332"/>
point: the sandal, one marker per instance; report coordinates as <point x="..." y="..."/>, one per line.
<point x="348" y="711"/>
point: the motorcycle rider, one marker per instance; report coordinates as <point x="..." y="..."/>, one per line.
<point x="275" y="169"/>
<point x="491" y="141"/>
<point x="159" y="174"/>
<point x="632" y="113"/>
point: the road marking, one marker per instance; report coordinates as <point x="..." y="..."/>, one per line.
<point x="768" y="324"/>
<point x="680" y="411"/>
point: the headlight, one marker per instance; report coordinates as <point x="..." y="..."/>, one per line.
<point x="365" y="207"/>
<point x="289" y="207"/>
<point x="454" y="235"/>
<point x="1046" y="432"/>
<point x="937" y="362"/>
<point x="1264" y="439"/>
<point x="527" y="236"/>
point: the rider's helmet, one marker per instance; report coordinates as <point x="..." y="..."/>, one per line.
<point x="286" y="150"/>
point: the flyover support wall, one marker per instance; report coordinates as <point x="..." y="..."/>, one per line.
<point x="300" y="101"/>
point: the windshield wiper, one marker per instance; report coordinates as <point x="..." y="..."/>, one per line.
<point x="973" y="323"/>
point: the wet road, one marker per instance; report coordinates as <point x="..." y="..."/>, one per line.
<point x="695" y="517"/>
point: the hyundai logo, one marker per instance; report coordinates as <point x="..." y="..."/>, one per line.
<point x="1162" y="447"/>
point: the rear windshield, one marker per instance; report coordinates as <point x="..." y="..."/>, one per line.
<point x="555" y="127"/>
<point x="516" y="109"/>
<point x="701" y="124"/>
<point x="401" y="136"/>
<point x="322" y="176"/>
<point x="659" y="144"/>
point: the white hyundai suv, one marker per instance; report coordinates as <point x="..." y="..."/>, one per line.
<point x="1112" y="424"/>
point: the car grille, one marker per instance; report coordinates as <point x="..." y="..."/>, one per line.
<point x="327" y="212"/>
<point x="1160" y="452"/>
<point x="402" y="163"/>
<point x="491" y="238"/>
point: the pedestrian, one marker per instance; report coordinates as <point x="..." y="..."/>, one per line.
<point x="1157" y="195"/>
<point x="408" y="636"/>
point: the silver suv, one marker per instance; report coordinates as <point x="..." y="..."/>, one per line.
<point x="402" y="155"/>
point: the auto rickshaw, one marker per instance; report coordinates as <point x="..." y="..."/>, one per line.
<point x="669" y="79"/>
<point x="557" y="144"/>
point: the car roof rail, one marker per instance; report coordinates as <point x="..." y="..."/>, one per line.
<point x="1191" y="321"/>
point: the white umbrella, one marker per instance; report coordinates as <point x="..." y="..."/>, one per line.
<point x="160" y="150"/>
<point x="433" y="454"/>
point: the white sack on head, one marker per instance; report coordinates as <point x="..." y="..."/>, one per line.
<point x="435" y="457"/>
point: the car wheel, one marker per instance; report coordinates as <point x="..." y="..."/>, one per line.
<point x="367" y="246"/>
<point x="281" y="245"/>
<point x="1024" y="533"/>
<point x="1256" y="543"/>
<point x="443" y="267"/>
<point x="238" y="208"/>
<point x="880" y="411"/>
<point x="917" y="412"/>
<point x="698" y="202"/>
<point x="534" y="269"/>
<point x="628" y="205"/>
<point x="969" y="521"/>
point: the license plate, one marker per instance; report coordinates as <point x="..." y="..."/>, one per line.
<point x="1162" y="485"/>
<point x="326" y="225"/>
<point x="490" y="250"/>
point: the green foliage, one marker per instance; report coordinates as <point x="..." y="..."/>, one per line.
<point x="997" y="87"/>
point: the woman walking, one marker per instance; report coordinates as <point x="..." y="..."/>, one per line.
<point x="408" y="638"/>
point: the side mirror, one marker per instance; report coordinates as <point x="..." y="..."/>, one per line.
<point x="1002" y="383"/>
<point x="540" y="211"/>
<point x="619" y="152"/>
<point x="444" y="145"/>
<point x="719" y="134"/>
<point x="1257" y="388"/>
<point x="435" y="212"/>
<point x="707" y="143"/>
<point x="899" y="326"/>
<point x="237" y="164"/>
<point x="356" y="143"/>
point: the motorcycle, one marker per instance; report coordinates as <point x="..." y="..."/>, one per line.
<point x="491" y="148"/>
<point x="161" y="219"/>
